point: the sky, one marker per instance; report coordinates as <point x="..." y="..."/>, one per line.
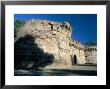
<point x="84" y="26"/>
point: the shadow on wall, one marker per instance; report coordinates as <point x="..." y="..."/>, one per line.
<point x="27" y="54"/>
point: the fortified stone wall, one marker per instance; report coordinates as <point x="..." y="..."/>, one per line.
<point x="91" y="54"/>
<point x="78" y="51"/>
<point x="53" y="38"/>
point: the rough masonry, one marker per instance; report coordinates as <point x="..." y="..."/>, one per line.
<point x="55" y="39"/>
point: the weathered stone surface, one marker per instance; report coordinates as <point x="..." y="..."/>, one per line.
<point x="53" y="38"/>
<point x="91" y="54"/>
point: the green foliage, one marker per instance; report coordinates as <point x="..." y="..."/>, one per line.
<point x="91" y="43"/>
<point x="17" y="25"/>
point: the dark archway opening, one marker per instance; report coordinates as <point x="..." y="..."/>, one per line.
<point x="74" y="59"/>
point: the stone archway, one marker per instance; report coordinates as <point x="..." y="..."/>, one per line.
<point x="74" y="59"/>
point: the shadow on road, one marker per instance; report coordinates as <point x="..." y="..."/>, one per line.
<point x="73" y="72"/>
<point x="56" y="72"/>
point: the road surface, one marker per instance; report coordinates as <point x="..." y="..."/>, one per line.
<point x="75" y="70"/>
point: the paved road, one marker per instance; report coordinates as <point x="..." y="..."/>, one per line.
<point x="72" y="71"/>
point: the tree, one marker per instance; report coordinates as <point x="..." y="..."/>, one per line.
<point x="91" y="43"/>
<point x="17" y="25"/>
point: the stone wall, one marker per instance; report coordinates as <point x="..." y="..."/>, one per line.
<point x="51" y="37"/>
<point x="91" y="54"/>
<point x="78" y="51"/>
<point x="54" y="42"/>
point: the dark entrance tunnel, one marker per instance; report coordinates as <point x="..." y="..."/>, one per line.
<point x="27" y="54"/>
<point x="74" y="59"/>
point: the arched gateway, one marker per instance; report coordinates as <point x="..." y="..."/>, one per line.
<point x="74" y="59"/>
